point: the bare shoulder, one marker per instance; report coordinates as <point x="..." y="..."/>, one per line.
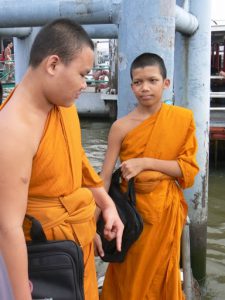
<point x="16" y="141"/>
<point x="18" y="138"/>
<point x="16" y="157"/>
<point x="121" y="127"/>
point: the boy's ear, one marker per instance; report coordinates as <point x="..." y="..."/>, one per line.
<point x="51" y="64"/>
<point x="166" y="83"/>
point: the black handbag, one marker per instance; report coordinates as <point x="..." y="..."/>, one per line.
<point x="55" y="268"/>
<point x="133" y="223"/>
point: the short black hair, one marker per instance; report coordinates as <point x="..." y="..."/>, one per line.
<point x="148" y="59"/>
<point x="62" y="37"/>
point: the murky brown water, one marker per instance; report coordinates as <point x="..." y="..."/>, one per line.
<point x="94" y="135"/>
<point x="215" y="284"/>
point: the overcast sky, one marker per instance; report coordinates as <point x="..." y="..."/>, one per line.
<point x="218" y="9"/>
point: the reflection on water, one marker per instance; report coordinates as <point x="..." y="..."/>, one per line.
<point x="216" y="235"/>
<point x="94" y="136"/>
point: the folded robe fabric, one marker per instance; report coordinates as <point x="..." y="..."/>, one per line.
<point x="58" y="194"/>
<point x="151" y="269"/>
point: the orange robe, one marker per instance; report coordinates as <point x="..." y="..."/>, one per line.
<point x="58" y="195"/>
<point x="151" y="268"/>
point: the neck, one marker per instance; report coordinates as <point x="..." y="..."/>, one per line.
<point x="29" y="93"/>
<point x="149" y="110"/>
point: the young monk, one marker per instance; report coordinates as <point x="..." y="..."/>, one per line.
<point x="44" y="170"/>
<point x="156" y="144"/>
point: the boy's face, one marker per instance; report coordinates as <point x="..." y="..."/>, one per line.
<point x="69" y="80"/>
<point x="148" y="85"/>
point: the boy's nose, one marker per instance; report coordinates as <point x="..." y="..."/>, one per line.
<point x="84" y="84"/>
<point x="145" y="86"/>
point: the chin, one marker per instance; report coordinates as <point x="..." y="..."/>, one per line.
<point x="68" y="104"/>
<point x="65" y="103"/>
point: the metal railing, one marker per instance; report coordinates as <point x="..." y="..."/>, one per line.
<point x="7" y="71"/>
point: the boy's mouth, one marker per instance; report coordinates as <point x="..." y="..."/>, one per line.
<point x="147" y="97"/>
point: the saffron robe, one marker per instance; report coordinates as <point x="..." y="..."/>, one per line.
<point x="151" y="268"/>
<point x="58" y="194"/>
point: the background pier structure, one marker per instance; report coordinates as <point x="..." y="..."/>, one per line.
<point x="192" y="90"/>
<point x="141" y="26"/>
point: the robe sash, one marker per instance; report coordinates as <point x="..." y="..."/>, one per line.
<point x="75" y="210"/>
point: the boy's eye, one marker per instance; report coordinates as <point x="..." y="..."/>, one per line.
<point x="137" y="82"/>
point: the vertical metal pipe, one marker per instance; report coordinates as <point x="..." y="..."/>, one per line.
<point x="145" y="26"/>
<point x="192" y="90"/>
<point x="22" y="52"/>
<point x="186" y="262"/>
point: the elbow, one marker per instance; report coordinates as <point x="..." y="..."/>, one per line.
<point x="8" y="232"/>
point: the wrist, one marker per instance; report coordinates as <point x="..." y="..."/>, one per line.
<point x="146" y="164"/>
<point x="106" y="203"/>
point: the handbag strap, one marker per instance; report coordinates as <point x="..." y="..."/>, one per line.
<point x="36" y="232"/>
<point x="130" y="186"/>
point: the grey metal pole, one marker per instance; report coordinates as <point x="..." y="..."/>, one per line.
<point x="96" y="31"/>
<point x="102" y="31"/>
<point x="192" y="90"/>
<point x="36" y="13"/>
<point x="22" y="52"/>
<point x="186" y="262"/>
<point x="20" y="32"/>
<point x="185" y="22"/>
<point x="145" y="26"/>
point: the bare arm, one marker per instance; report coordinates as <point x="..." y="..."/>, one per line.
<point x="15" y="161"/>
<point x="114" y="143"/>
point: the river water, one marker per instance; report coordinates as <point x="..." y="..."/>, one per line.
<point x="94" y="136"/>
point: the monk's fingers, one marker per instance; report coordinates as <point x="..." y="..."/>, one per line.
<point x="127" y="175"/>
<point x="119" y="235"/>
<point x="98" y="246"/>
<point x="125" y="169"/>
<point x="109" y="234"/>
<point x="108" y="229"/>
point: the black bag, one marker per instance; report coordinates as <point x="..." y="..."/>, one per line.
<point x="56" y="268"/>
<point x="133" y="224"/>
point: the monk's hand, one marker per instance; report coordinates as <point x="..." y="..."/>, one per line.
<point x="131" y="167"/>
<point x="113" y="225"/>
<point x="98" y="246"/>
